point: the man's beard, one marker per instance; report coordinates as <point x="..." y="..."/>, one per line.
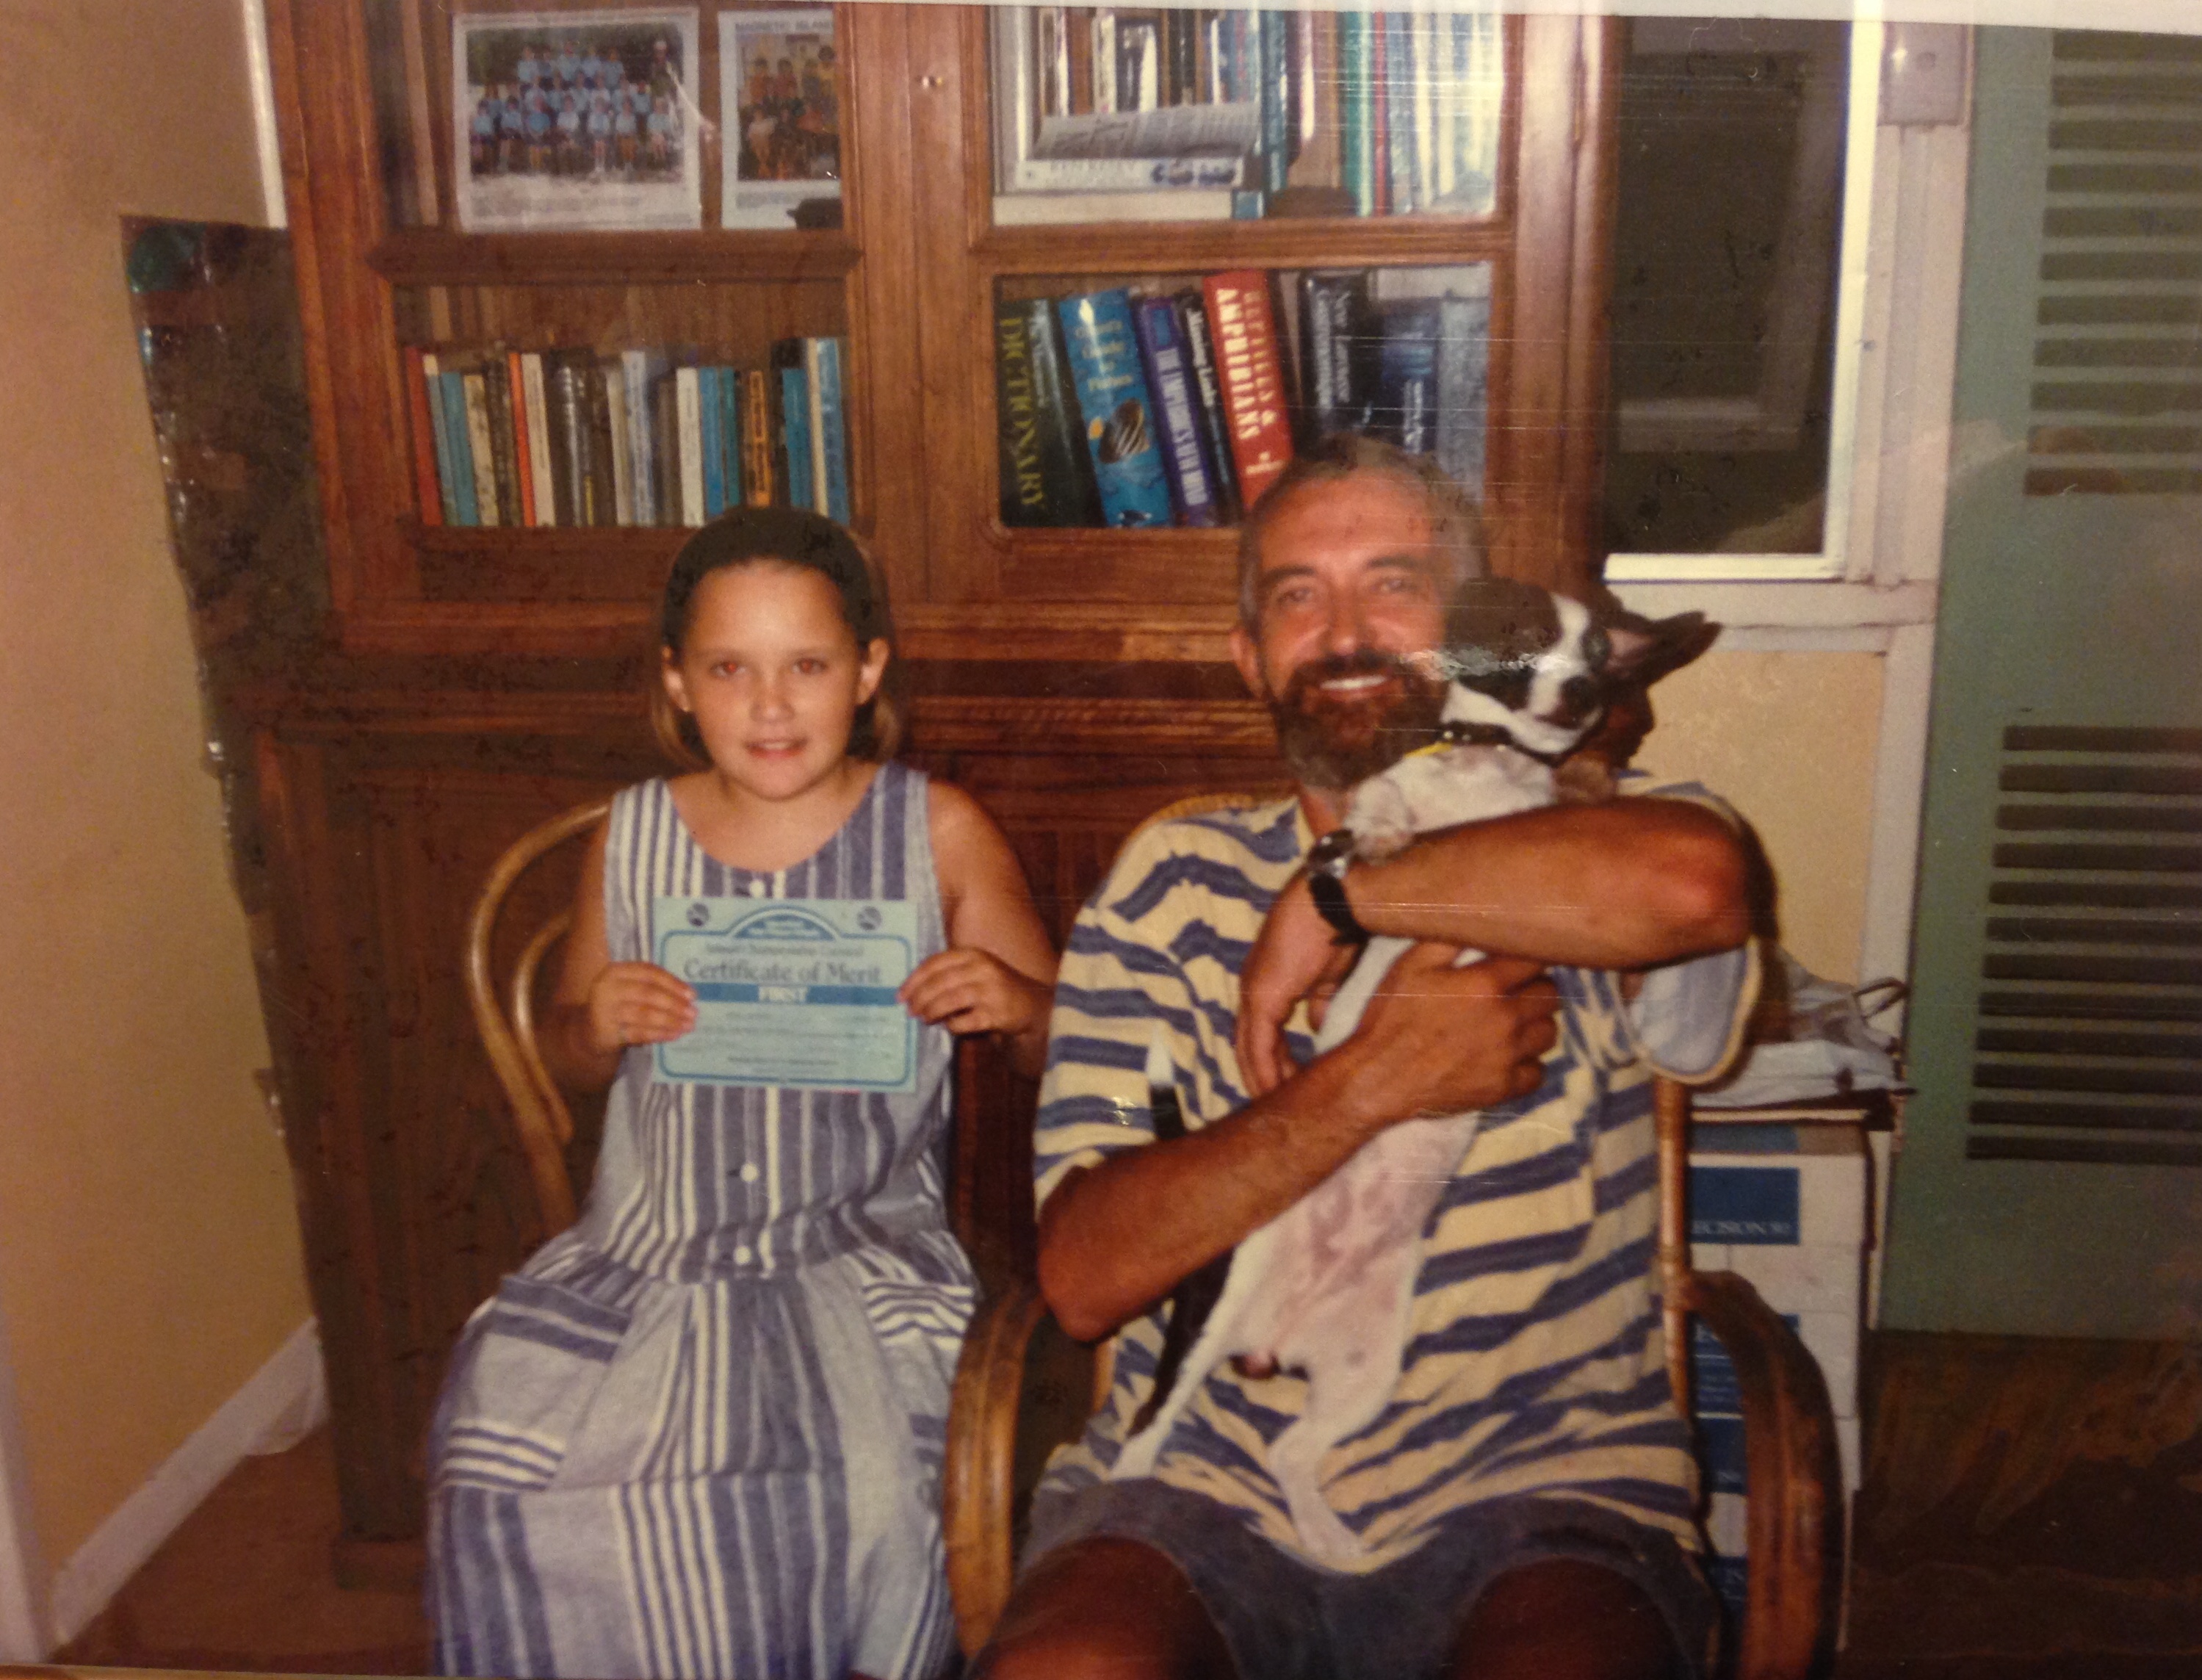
<point x="1331" y="744"/>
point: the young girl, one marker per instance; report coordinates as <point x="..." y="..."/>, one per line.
<point x="700" y="1433"/>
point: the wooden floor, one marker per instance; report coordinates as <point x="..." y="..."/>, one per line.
<point x="248" y="1582"/>
<point x="2031" y="1507"/>
<point x="2032" y="1511"/>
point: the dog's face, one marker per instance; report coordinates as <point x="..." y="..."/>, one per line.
<point x="1545" y="667"/>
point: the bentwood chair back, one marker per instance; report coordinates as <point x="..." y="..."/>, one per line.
<point x="542" y="1123"/>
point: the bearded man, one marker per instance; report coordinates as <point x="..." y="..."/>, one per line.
<point x="1526" y="1499"/>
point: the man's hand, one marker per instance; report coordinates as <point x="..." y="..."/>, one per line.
<point x="1446" y="1040"/>
<point x="1437" y="1039"/>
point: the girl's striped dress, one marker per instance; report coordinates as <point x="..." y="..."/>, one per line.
<point x="700" y="1433"/>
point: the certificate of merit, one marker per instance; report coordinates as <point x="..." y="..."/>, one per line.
<point x="796" y="992"/>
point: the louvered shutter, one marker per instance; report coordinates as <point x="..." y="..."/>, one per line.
<point x="2047" y="1181"/>
<point x="2089" y="1043"/>
<point x="2117" y="399"/>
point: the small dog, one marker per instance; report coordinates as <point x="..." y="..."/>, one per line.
<point x="1327" y="1287"/>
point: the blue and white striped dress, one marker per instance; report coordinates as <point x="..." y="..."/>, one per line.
<point x="700" y="1433"/>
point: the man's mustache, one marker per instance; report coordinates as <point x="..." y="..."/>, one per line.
<point x="1335" y="667"/>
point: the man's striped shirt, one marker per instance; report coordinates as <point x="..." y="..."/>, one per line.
<point x="1534" y="1362"/>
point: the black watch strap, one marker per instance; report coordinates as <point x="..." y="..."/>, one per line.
<point x="1328" y="860"/>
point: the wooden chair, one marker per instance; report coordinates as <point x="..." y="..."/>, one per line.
<point x="541" y="1120"/>
<point x="1019" y="1393"/>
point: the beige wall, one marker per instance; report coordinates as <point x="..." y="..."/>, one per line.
<point x="1789" y="737"/>
<point x="148" y="1250"/>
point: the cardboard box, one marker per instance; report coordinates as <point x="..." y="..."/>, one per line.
<point x="1814" y="1278"/>
<point x="1831" y="1338"/>
<point x="1721" y="1454"/>
<point x="1780" y="1186"/>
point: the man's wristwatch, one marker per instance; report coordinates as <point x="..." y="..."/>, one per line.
<point x="1327" y="861"/>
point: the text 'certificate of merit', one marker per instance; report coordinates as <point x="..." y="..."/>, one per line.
<point x="798" y="992"/>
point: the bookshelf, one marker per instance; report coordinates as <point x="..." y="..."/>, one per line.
<point x="908" y="281"/>
<point x="366" y="95"/>
<point x="1544" y="238"/>
<point x="470" y="680"/>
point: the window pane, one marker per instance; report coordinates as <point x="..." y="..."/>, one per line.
<point x="1732" y="139"/>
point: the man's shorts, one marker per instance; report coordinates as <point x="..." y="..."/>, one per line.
<point x="1284" y="1619"/>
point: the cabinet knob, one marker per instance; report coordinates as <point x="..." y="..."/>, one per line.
<point x="930" y="82"/>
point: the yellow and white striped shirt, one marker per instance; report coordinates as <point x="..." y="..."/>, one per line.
<point x="1534" y="1363"/>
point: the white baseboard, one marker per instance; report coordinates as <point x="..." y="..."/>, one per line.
<point x="26" y="1626"/>
<point x="282" y="1401"/>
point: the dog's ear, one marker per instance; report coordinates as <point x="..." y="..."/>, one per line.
<point x="1645" y="649"/>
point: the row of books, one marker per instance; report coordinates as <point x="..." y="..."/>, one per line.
<point x="532" y="437"/>
<point x="1184" y="114"/>
<point x="1181" y="406"/>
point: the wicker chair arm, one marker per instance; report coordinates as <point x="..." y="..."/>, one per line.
<point x="978" y="1474"/>
<point x="1794" y="1517"/>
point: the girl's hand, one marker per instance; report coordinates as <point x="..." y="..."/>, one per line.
<point x="637" y="1003"/>
<point x="969" y="991"/>
<point x="998" y="973"/>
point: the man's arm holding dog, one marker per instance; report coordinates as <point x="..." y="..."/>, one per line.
<point x="1116" y="1237"/>
<point x="1630" y="884"/>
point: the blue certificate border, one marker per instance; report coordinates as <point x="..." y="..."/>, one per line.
<point x="796" y="918"/>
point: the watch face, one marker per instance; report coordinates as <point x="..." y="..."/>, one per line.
<point x="1333" y="854"/>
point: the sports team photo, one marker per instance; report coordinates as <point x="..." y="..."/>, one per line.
<point x="576" y="119"/>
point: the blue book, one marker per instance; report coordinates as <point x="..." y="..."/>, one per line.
<point x="1163" y="353"/>
<point x="713" y="447"/>
<point x="1356" y="114"/>
<point x="640" y="371"/>
<point x="730" y="431"/>
<point x="447" y="490"/>
<point x="1246" y="54"/>
<point x="1405" y="411"/>
<point x="1463" y="389"/>
<point x="462" y="447"/>
<point x="1398" y="95"/>
<point x="1119" y="414"/>
<point x="832" y="428"/>
<point x="1275" y="95"/>
<point x="795" y="410"/>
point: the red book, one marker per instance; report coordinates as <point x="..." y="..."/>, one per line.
<point x="425" y="484"/>
<point x="522" y="468"/>
<point x="1248" y="368"/>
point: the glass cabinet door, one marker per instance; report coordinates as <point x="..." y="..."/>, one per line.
<point x="1119" y="114"/>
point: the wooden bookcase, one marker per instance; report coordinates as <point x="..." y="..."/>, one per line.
<point x="471" y="682"/>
